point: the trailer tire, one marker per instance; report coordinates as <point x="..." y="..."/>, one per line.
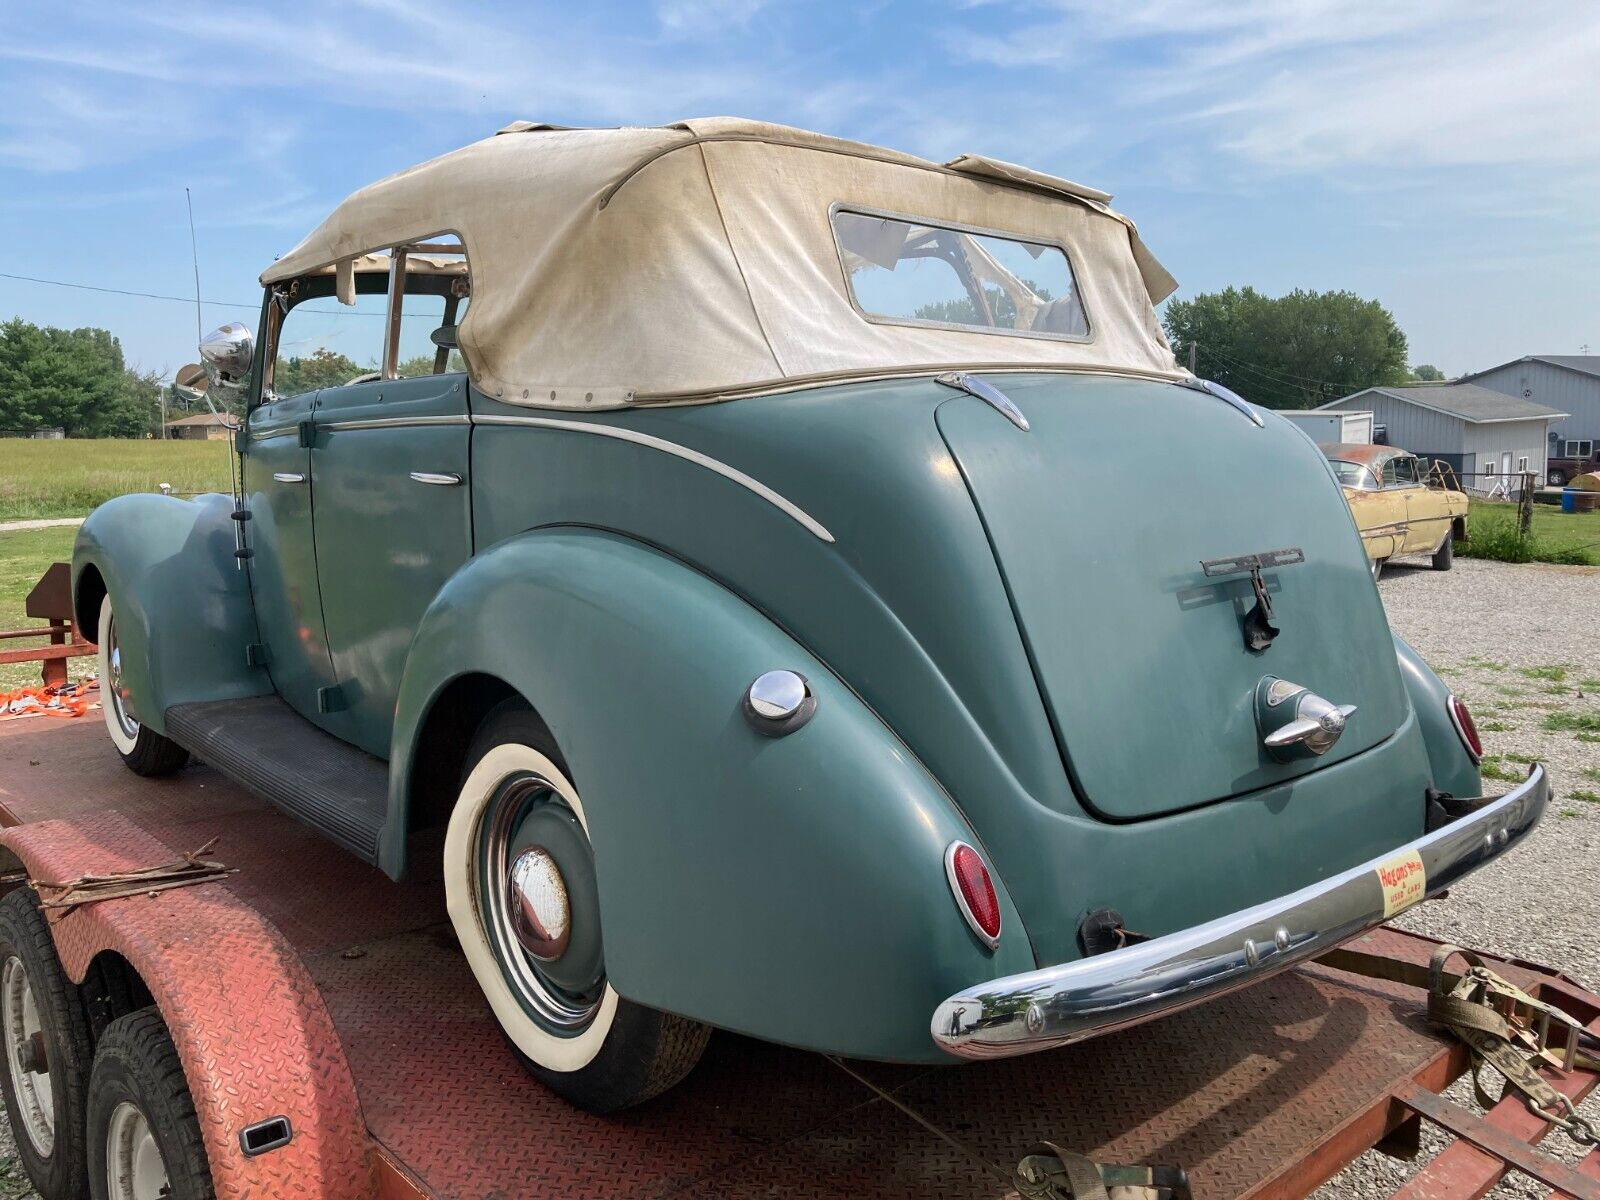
<point x="141" y="1117"/>
<point x="1445" y="556"/>
<point x="564" y="1020"/>
<point x="145" y="751"/>
<point x="47" y="1116"/>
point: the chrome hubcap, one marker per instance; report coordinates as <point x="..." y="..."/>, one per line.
<point x="538" y="904"/>
<point x="115" y="693"/>
<point x="134" y="1166"/>
<point x="536" y="899"/>
<point x="27" y="1057"/>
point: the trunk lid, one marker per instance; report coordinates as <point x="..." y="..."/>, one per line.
<point x="1099" y="517"/>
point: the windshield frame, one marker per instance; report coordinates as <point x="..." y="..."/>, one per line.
<point x="1003" y="235"/>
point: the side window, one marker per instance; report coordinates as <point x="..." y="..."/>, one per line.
<point x="1391" y="472"/>
<point x="323" y="344"/>
<point x="423" y="316"/>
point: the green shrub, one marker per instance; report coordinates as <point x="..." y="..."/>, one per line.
<point x="1499" y="537"/>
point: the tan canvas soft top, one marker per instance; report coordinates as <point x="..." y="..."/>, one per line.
<point x="697" y="260"/>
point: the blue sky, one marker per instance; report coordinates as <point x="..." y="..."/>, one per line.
<point x="1441" y="156"/>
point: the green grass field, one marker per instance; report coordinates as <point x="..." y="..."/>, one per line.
<point x="1555" y="533"/>
<point x="23" y="557"/>
<point x="67" y="478"/>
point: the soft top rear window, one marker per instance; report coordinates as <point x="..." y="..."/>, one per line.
<point x="909" y="271"/>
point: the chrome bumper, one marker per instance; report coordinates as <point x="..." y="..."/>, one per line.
<point x="1074" y="1001"/>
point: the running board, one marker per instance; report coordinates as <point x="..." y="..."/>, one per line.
<point x="264" y="745"/>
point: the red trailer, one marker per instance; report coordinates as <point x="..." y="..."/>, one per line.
<point x="334" y="1044"/>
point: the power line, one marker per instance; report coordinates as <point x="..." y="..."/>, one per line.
<point x="89" y="287"/>
<point x="256" y="307"/>
<point x="1287" y="376"/>
<point x="1261" y="374"/>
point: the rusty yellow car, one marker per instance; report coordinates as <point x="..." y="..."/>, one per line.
<point x="1402" y="506"/>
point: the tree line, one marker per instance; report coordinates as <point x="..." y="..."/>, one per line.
<point x="1293" y="351"/>
<point x="75" y="380"/>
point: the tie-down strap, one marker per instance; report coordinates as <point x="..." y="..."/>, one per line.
<point x="1502" y="1025"/>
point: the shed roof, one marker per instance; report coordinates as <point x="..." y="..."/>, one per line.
<point x="1467" y="401"/>
<point x="205" y="418"/>
<point x="608" y="268"/>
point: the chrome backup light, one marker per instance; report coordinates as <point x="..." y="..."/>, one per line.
<point x="973" y="891"/>
<point x="778" y="703"/>
<point x="1465" y="729"/>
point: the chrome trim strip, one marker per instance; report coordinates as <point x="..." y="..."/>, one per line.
<point x="392" y="422"/>
<point x="1227" y="396"/>
<point x="988" y="393"/>
<point x="441" y="478"/>
<point x="788" y="508"/>
<point x="266" y="435"/>
<point x="1073" y="1001"/>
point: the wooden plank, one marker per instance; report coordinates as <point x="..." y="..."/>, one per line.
<point x="44" y="653"/>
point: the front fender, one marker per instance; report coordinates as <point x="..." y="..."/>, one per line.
<point x="184" y="619"/>
<point x="792" y="888"/>
<point x="1453" y="770"/>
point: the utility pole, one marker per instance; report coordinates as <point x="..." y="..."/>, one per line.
<point x="1193" y="346"/>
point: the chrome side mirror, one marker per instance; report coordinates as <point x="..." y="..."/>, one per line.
<point x="227" y="354"/>
<point x="190" y="383"/>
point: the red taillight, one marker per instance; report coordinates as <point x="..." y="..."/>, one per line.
<point x="973" y="891"/>
<point x="1462" y="719"/>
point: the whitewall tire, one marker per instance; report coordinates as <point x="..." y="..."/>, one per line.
<point x="145" y="751"/>
<point x="522" y="890"/>
<point x="469" y="912"/>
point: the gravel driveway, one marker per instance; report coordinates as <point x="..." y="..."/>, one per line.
<point x="1521" y="644"/>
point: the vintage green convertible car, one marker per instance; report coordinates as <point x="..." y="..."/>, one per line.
<point x="756" y="624"/>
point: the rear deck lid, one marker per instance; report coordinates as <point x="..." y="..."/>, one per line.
<point x="1100" y="516"/>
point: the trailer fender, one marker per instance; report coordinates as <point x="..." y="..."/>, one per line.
<point x="182" y="599"/>
<point x="790" y="887"/>
<point x="1453" y="769"/>
<point x="255" y="1038"/>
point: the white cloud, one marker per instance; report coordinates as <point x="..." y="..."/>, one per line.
<point x="706" y="18"/>
<point x="1315" y="85"/>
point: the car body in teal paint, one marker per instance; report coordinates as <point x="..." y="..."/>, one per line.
<point x="1007" y="645"/>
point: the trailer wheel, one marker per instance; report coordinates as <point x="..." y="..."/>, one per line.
<point x="523" y="896"/>
<point x="47" y="1051"/>
<point x="144" y="750"/>
<point x="144" y="1138"/>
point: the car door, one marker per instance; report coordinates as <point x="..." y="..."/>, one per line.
<point x="283" y="563"/>
<point x="389" y="466"/>
<point x="1424" y="511"/>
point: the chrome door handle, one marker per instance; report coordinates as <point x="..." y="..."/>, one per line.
<point x="288" y="477"/>
<point x="442" y="478"/>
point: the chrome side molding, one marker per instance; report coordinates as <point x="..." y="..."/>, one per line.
<point x="986" y="392"/>
<point x="1227" y="396"/>
<point x="732" y="474"/>
<point x="439" y="478"/>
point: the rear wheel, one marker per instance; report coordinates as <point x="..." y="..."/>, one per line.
<point x="144" y="1138"/>
<point x="47" y="1051"/>
<point x="144" y="750"/>
<point x="1445" y="556"/>
<point x="523" y="895"/>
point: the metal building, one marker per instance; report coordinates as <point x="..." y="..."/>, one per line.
<point x="1568" y="382"/>
<point x="1482" y="433"/>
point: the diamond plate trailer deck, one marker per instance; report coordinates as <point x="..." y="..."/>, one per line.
<point x="309" y="985"/>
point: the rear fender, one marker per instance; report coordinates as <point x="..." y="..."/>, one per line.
<point x="792" y="888"/>
<point x="1453" y="770"/>
<point x="184" y="619"/>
